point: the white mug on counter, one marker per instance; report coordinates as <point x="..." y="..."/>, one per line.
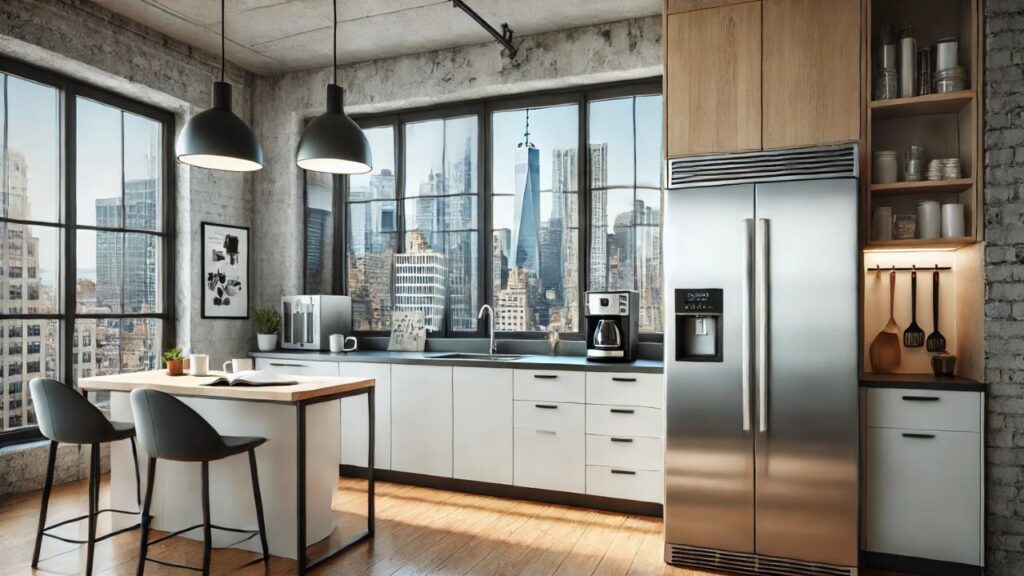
<point x="338" y="343"/>
<point x="199" y="364"/>
<point x="238" y="365"/>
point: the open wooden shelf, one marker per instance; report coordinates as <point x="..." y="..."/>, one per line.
<point x="923" y="244"/>
<point x="921" y="105"/>
<point x="872" y="379"/>
<point x="923" y="187"/>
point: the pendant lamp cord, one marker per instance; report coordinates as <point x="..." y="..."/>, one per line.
<point x="222" y="63"/>
<point x="335" y="38"/>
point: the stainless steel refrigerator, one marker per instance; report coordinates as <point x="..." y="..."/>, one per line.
<point x="761" y="361"/>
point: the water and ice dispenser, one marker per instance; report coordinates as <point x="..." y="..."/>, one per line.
<point x="699" y="325"/>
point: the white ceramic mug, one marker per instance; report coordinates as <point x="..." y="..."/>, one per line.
<point x="238" y="365"/>
<point x="339" y="341"/>
<point x="199" y="364"/>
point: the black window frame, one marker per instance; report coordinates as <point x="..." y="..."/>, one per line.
<point x="68" y="90"/>
<point x="483" y="109"/>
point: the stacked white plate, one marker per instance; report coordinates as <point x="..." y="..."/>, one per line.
<point x="943" y="169"/>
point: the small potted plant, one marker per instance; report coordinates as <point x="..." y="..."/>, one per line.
<point x="175" y="360"/>
<point x="268" y="321"/>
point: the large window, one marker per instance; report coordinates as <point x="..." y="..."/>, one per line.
<point x="426" y="230"/>
<point x="83" y="236"/>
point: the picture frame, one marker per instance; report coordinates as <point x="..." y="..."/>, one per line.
<point x="224" y="275"/>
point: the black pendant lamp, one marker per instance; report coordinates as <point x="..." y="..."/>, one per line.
<point x="332" y="142"/>
<point x="216" y="138"/>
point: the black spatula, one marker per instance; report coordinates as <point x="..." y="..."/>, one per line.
<point x="913" y="336"/>
<point x="936" y="341"/>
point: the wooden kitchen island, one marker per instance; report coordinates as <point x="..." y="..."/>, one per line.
<point x="298" y="465"/>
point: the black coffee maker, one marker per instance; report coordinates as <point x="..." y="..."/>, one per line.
<point x="612" y="325"/>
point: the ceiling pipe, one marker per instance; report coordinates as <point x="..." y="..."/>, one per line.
<point x="504" y="37"/>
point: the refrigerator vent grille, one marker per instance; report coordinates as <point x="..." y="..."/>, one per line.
<point x="750" y="564"/>
<point x="763" y="166"/>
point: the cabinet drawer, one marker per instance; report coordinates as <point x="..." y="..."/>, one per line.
<point x="632" y="453"/>
<point x="626" y="389"/>
<point x="924" y="409"/>
<point x="550" y="417"/>
<point x="642" y="485"/>
<point x="550" y="385"/>
<point x="297" y="367"/>
<point x="551" y="460"/>
<point x="624" y="421"/>
<point x="924" y="494"/>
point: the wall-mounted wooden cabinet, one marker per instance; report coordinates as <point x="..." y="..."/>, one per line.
<point x="759" y="75"/>
<point x="713" y="79"/>
<point x="811" y="72"/>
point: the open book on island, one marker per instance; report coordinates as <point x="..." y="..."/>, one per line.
<point x="251" y="378"/>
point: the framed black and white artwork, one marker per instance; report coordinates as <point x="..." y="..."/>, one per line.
<point x="225" y="273"/>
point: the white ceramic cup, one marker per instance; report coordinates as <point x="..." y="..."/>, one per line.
<point x="338" y="343"/>
<point x="199" y="364"/>
<point x="953" y="220"/>
<point x="929" y="223"/>
<point x="238" y="365"/>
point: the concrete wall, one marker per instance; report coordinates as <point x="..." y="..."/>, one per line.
<point x="625" y="50"/>
<point x="1004" y="270"/>
<point x="86" y="42"/>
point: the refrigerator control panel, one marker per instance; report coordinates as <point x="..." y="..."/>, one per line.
<point x="698" y="324"/>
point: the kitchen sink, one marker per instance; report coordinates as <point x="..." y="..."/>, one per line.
<point x="475" y="356"/>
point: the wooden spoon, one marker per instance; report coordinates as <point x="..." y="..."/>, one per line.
<point x="885" y="348"/>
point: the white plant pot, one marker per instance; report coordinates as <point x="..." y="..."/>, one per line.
<point x="266" y="342"/>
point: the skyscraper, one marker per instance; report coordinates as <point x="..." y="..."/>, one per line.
<point x="420" y="280"/>
<point x="526" y="227"/>
<point x="598" y="216"/>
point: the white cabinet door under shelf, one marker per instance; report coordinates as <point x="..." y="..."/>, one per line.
<point x="297" y="367"/>
<point x="550" y="448"/>
<point x="355" y="417"/>
<point x="421" y="419"/>
<point x="483" y="424"/>
<point x="924" y="494"/>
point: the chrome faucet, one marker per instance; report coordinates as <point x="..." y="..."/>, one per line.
<point x="490" y="317"/>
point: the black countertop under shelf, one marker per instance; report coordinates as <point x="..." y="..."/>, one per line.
<point x="920" y="382"/>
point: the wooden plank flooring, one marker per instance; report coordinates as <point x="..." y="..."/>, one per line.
<point x="419" y="531"/>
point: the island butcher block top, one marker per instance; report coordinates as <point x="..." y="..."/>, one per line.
<point x="307" y="387"/>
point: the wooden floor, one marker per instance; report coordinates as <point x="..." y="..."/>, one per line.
<point x="419" y="531"/>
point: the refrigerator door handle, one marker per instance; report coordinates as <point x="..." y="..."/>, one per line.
<point x="747" y="273"/>
<point x="761" y="314"/>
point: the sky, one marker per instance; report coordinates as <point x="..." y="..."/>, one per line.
<point x="32" y="128"/>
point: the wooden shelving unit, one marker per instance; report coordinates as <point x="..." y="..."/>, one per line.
<point x="921" y="105"/>
<point x="947" y="126"/>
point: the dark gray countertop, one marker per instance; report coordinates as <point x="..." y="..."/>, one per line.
<point x="527" y="361"/>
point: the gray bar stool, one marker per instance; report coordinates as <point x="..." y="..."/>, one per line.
<point x="66" y="416"/>
<point x="170" y="430"/>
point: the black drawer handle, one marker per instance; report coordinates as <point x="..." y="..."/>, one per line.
<point x="916" y="435"/>
<point x="545" y="376"/>
<point x="547" y="406"/>
<point x="282" y="364"/>
<point x="625" y="440"/>
<point x="622" y="411"/>
<point x="617" y="379"/>
<point x="627" y="472"/>
<point x="921" y="398"/>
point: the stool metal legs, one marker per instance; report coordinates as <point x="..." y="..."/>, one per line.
<point x="47" y="488"/>
<point x="258" y="500"/>
<point x="94" y="504"/>
<point x="146" y="518"/>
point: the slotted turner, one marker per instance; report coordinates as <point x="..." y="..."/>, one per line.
<point x="936" y="341"/>
<point x="913" y="336"/>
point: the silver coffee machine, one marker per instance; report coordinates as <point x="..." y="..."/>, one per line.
<point x="612" y="323"/>
<point x="307" y="322"/>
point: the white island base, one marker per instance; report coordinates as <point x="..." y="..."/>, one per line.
<point x="176" y="497"/>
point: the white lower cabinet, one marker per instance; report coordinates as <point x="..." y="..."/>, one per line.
<point x="923" y="487"/>
<point x="624" y="452"/>
<point x="482" y="405"/>
<point x="421" y="419"/>
<point x="550" y="452"/>
<point x="613" y="482"/>
<point x="355" y="417"/>
<point x="297" y="367"/>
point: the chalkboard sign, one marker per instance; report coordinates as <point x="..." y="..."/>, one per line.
<point x="408" y="331"/>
